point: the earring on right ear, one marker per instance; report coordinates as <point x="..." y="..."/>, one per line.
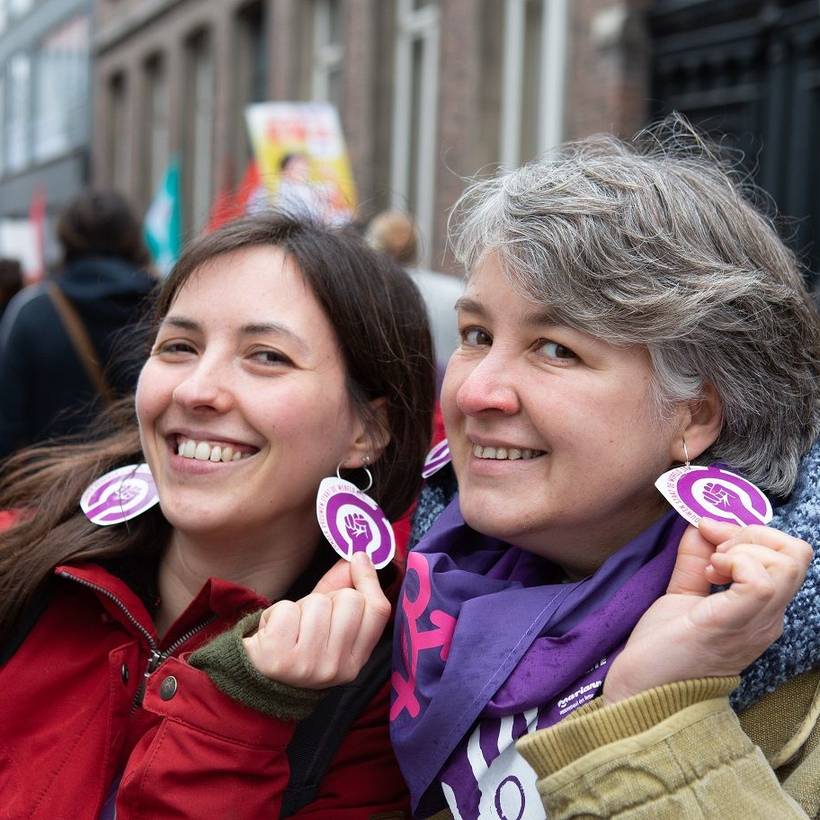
<point x="352" y="521"/>
<point x="712" y="492"/>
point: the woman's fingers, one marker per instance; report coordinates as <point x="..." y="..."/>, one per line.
<point x="785" y="572"/>
<point x="771" y="539"/>
<point x="377" y="608"/>
<point x="269" y="647"/>
<point x="694" y="555"/>
<point x="326" y="637"/>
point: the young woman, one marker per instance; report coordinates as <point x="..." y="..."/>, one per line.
<point x="284" y="353"/>
<point x="627" y="311"/>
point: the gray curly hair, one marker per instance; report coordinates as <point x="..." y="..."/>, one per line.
<point x="655" y="243"/>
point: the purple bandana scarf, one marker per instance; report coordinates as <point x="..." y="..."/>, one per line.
<point x="482" y="636"/>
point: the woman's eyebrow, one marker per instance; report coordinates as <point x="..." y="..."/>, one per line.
<point x="542" y="316"/>
<point x="261" y="328"/>
<point x="251" y="329"/>
<point x="182" y="323"/>
<point x="468" y="305"/>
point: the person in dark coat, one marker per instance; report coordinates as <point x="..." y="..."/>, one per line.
<point x="45" y="389"/>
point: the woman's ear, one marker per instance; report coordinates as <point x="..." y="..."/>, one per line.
<point x="372" y="438"/>
<point x="701" y="425"/>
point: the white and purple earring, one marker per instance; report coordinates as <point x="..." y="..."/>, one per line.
<point x="352" y="521"/>
<point x="119" y="495"/>
<point x="711" y="492"/>
<point x="437" y="458"/>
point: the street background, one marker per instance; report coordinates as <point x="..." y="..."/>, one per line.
<point x="122" y="93"/>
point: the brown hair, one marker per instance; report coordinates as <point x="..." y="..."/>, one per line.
<point x="393" y="233"/>
<point x="101" y="223"/>
<point x="11" y="279"/>
<point x="380" y="321"/>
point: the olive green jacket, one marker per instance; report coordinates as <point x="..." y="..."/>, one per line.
<point x="679" y="751"/>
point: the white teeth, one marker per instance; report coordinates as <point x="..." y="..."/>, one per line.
<point x="504" y="453"/>
<point x="205" y="451"/>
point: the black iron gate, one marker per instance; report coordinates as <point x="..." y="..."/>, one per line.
<point x="750" y="69"/>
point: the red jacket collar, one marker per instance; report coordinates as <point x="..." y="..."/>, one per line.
<point x="217" y="599"/>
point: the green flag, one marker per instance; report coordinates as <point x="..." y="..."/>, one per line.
<point x="163" y="221"/>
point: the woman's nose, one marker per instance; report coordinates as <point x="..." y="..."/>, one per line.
<point x="205" y="387"/>
<point x="488" y="386"/>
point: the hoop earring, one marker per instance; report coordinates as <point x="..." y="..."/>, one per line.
<point x="369" y="476"/>
<point x="352" y="521"/>
<point x="685" y="454"/>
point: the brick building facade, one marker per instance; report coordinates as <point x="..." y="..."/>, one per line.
<point x="429" y="91"/>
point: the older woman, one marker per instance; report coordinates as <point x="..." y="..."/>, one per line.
<point x="627" y="311"/>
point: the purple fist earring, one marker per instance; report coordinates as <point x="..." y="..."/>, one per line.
<point x="712" y="492"/>
<point x="119" y="495"/>
<point x="352" y="521"/>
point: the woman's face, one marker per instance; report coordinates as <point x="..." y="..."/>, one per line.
<point x="552" y="433"/>
<point x="242" y="405"/>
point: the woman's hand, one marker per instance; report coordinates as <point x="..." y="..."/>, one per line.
<point x="325" y="638"/>
<point x="689" y="633"/>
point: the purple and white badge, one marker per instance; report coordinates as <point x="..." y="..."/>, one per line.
<point x="712" y="492"/>
<point x="120" y="495"/>
<point x="437" y="458"/>
<point x="354" y="522"/>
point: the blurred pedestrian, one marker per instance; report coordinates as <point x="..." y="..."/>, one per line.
<point x="59" y="340"/>
<point x="11" y="281"/>
<point x="394" y="233"/>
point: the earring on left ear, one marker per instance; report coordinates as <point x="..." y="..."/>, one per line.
<point x="119" y="495"/>
<point x="352" y="521"/>
<point x="713" y="492"/>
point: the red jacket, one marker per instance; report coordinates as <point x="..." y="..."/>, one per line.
<point x="69" y="726"/>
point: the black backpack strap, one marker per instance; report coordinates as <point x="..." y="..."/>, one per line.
<point x="12" y="641"/>
<point x="318" y="737"/>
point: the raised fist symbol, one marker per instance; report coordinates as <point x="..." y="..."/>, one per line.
<point x="358" y="532"/>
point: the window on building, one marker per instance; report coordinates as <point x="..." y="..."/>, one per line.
<point x="251" y="74"/>
<point x="18" y="112"/>
<point x="532" y="105"/>
<point x="198" y="171"/>
<point x="118" y="133"/>
<point x="156" y="143"/>
<point x="61" y="107"/>
<point x="415" y="115"/>
<point x="327" y="49"/>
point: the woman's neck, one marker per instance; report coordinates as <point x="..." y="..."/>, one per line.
<point x="268" y="565"/>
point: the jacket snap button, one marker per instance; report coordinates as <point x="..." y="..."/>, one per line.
<point x="168" y="688"/>
<point x="124" y="673"/>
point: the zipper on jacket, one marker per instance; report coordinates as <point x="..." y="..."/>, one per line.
<point x="155" y="657"/>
